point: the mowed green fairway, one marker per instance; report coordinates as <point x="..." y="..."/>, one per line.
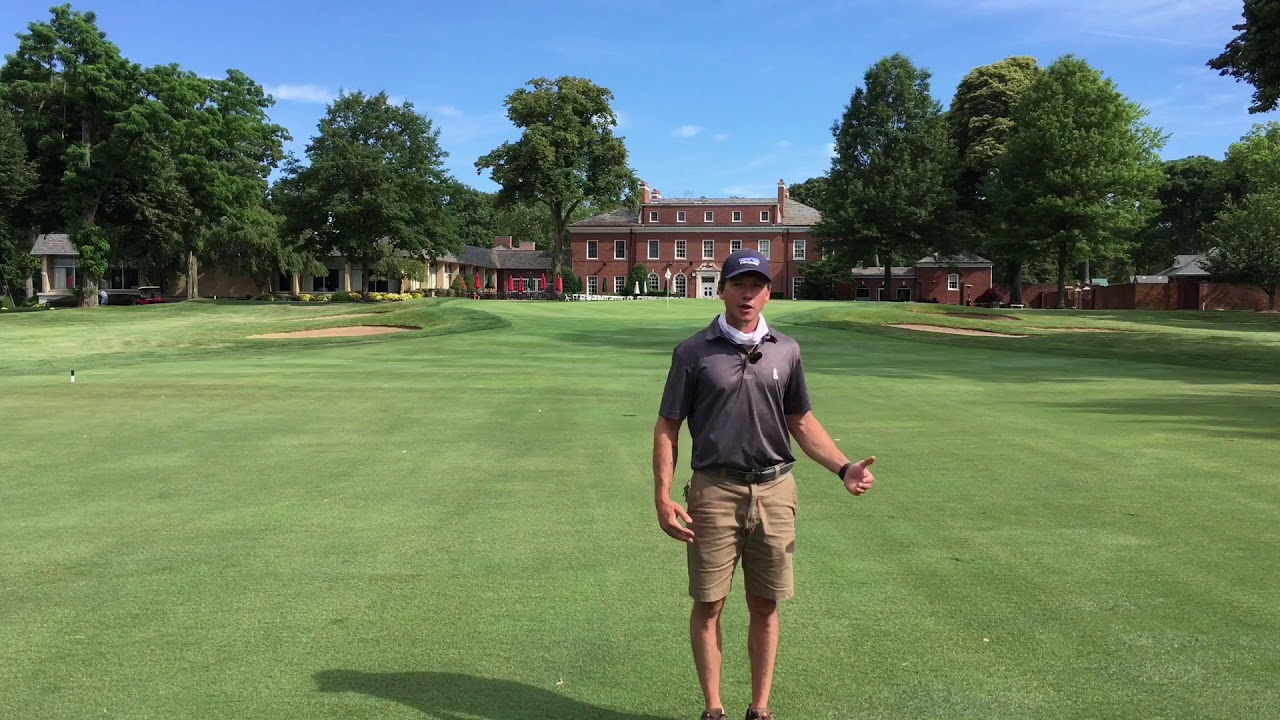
<point x="458" y="523"/>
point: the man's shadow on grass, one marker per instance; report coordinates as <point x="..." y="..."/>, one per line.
<point x="454" y="696"/>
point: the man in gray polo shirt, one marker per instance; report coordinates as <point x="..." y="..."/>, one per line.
<point x="740" y="384"/>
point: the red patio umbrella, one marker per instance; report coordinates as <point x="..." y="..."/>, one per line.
<point x="477" y="285"/>
<point x="521" y="284"/>
<point x="511" y="284"/>
<point x="544" y="281"/>
<point x="559" y="284"/>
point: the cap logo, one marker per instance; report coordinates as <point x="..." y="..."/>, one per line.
<point x="749" y="261"/>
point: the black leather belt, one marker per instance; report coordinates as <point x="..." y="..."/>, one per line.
<point x="755" y="477"/>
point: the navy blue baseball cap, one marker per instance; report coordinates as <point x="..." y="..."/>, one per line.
<point x="745" y="261"/>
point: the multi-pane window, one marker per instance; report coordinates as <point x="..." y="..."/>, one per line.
<point x="682" y="250"/>
<point x="653" y="249"/>
<point x="709" y="216"/>
<point x="737" y="216"/>
<point x="735" y="245"/>
<point x="593" y="250"/>
<point x="619" y="249"/>
<point x="708" y="249"/>
<point x="764" y="248"/>
<point x="797" y="252"/>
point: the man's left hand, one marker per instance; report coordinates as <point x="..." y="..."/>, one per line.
<point x="858" y="478"/>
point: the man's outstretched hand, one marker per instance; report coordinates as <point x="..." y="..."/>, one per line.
<point x="858" y="478"/>
<point x="669" y="516"/>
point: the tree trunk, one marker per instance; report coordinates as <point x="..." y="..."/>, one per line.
<point x="193" y="276"/>
<point x="364" y="279"/>
<point x="1015" y="283"/>
<point x="87" y="282"/>
<point x="557" y="252"/>
<point x="888" y="277"/>
<point x="1271" y="296"/>
<point x="1062" y="275"/>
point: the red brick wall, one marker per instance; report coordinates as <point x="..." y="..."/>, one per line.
<point x="637" y="251"/>
<point x="1032" y="293"/>
<point x="1223" y="296"/>
<point x="931" y="284"/>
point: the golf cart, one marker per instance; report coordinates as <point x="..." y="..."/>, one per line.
<point x="149" y="295"/>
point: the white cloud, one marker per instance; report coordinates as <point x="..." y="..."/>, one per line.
<point x="623" y="118"/>
<point x="721" y="137"/>
<point x="784" y="144"/>
<point x="300" y="93"/>
<point x="687" y="131"/>
<point x="449" y="111"/>
<point x="831" y="149"/>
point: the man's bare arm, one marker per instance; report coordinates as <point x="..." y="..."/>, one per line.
<point x="666" y="440"/>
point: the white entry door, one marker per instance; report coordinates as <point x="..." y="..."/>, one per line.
<point x="708" y="287"/>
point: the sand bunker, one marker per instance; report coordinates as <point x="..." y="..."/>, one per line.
<point x="953" y="330"/>
<point x="352" y="331"/>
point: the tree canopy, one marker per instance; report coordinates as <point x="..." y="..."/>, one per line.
<point x="889" y="189"/>
<point x="1253" y="56"/>
<point x="567" y="155"/>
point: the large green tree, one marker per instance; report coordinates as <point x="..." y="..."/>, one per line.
<point x="223" y="147"/>
<point x="1254" y="55"/>
<point x="811" y="192"/>
<point x="1253" y="163"/>
<point x="89" y="124"/>
<point x="1193" y="191"/>
<point x="1246" y="246"/>
<point x="890" y="188"/>
<point x="981" y="122"/>
<point x="17" y="178"/>
<point x="374" y="188"/>
<point x="1080" y="170"/>
<point x="567" y="156"/>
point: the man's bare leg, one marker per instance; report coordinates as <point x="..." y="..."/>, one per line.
<point x="762" y="646"/>
<point x="704" y="635"/>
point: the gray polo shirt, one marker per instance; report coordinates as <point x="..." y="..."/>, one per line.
<point x="737" y="410"/>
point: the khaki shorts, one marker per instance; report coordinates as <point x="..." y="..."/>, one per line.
<point x="733" y="520"/>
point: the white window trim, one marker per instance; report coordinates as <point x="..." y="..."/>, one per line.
<point x="709" y="216"/>
<point x="653" y="283"/>
<point x="593" y="245"/>
<point x="705" y="256"/>
<point x="682" y="250"/>
<point x="733" y="243"/>
<point x="765" y="216"/>
<point x="619" y="284"/>
<point x="653" y="216"/>
<point x="655" y="249"/>
<point x="764" y="247"/>
<point x="798" y="249"/>
<point x="953" y="282"/>
<point x="616" y="255"/>
<point x="680" y="216"/>
<point x="675" y="283"/>
<point x="592" y="280"/>
<point x="796" y="282"/>
<point x="737" y="216"/>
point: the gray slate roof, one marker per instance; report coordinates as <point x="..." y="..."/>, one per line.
<point x="54" y="244"/>
<point x="878" y="272"/>
<point x="961" y="259"/>
<point x="797" y="213"/>
<point x="501" y="258"/>
<point x="1187" y="266"/>
<point x="616" y="217"/>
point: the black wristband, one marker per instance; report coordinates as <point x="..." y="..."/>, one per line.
<point x="844" y="470"/>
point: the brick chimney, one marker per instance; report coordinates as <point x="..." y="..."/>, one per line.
<point x="526" y="245"/>
<point x="645" y="196"/>
<point x="782" y="200"/>
<point x="504" y="241"/>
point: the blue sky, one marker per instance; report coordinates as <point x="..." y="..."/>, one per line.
<point x="715" y="98"/>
